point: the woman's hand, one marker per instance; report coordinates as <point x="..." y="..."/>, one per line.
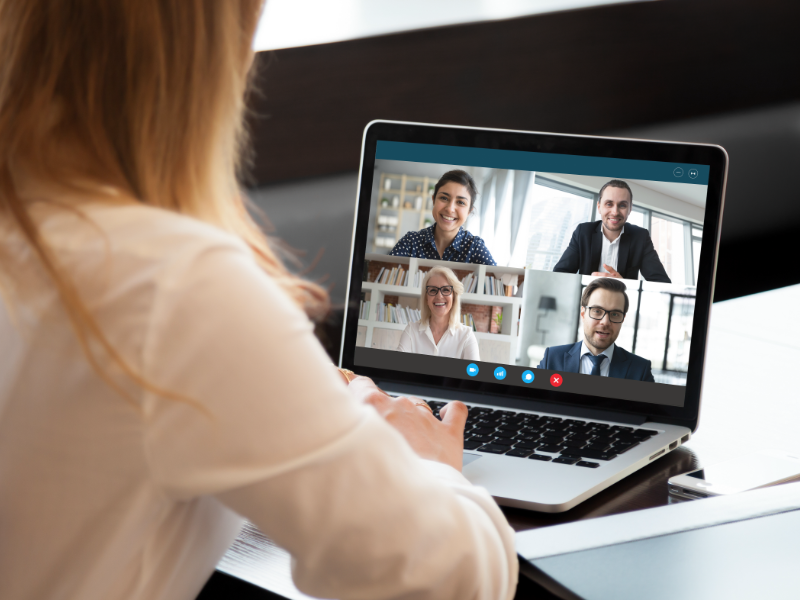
<point x="442" y="441"/>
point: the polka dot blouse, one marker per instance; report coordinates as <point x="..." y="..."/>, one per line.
<point x="466" y="248"/>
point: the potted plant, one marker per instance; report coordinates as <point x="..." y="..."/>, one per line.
<point x="498" y="320"/>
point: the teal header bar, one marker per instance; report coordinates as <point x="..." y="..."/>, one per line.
<point x="567" y="164"/>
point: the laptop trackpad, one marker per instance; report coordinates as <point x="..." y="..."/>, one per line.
<point x="468" y="458"/>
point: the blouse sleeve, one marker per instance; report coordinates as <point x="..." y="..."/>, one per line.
<point x="483" y="254"/>
<point x="404" y="247"/>
<point x="471" y="351"/>
<point x="270" y="429"/>
<point x="406" y="342"/>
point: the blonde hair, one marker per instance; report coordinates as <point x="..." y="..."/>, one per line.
<point x="142" y="96"/>
<point x="458" y="289"/>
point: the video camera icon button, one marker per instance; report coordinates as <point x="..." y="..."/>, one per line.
<point x="556" y="380"/>
<point x="528" y="376"/>
<point x="678" y="172"/>
<point x="500" y="373"/>
<point x="472" y="369"/>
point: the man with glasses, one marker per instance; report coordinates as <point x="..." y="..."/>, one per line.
<point x="604" y="305"/>
<point x="612" y="247"/>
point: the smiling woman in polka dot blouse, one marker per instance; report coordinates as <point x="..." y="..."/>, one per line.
<point x="453" y="201"/>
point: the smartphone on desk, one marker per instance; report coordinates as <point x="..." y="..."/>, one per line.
<point x="761" y="469"/>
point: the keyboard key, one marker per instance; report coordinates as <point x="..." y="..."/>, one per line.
<point x="521" y="452"/>
<point x="484" y="439"/>
<point x="510" y="427"/>
<point x="494" y="449"/>
<point x="573" y="444"/>
<point x="482" y="430"/>
<point x="472" y="445"/>
<point x="644" y="433"/>
<point x="527" y="437"/>
<point x="552" y="448"/>
<point x="565" y="460"/>
<point x="505" y="434"/>
<point x="591" y="465"/>
<point x="551" y="437"/>
<point x="527" y="445"/>
<point x="503" y="442"/>
<point x="505" y="413"/>
<point x="570" y="453"/>
<point x="599" y="447"/>
<point x="598" y="455"/>
<point x="540" y="457"/>
<point x="622" y="448"/>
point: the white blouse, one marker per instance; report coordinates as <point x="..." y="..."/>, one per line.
<point x="106" y="498"/>
<point x="458" y="341"/>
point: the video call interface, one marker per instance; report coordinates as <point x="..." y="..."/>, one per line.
<point x="568" y="273"/>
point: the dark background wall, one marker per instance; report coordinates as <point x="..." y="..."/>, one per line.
<point x="719" y="71"/>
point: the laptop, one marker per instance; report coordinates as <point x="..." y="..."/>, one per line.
<point x="559" y="285"/>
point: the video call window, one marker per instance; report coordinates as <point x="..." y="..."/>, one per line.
<point x="658" y="328"/>
<point x="516" y="295"/>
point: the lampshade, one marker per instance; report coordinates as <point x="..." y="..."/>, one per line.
<point x="547" y="303"/>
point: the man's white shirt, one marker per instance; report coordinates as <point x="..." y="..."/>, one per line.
<point x="610" y="253"/>
<point x="587" y="364"/>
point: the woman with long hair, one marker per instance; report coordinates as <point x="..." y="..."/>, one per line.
<point x="453" y="202"/>
<point x="155" y="353"/>
<point x="440" y="332"/>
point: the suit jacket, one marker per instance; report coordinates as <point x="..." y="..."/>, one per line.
<point x="636" y="253"/>
<point x="624" y="365"/>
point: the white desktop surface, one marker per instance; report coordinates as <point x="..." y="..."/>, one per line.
<point x="752" y="364"/>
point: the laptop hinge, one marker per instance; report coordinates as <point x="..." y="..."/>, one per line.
<point x="506" y="402"/>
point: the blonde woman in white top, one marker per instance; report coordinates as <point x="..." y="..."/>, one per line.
<point x="440" y="332"/>
<point x="159" y="377"/>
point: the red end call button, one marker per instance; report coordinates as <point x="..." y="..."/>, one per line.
<point x="556" y="380"/>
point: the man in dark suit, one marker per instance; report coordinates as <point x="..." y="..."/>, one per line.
<point x="604" y="305"/>
<point x="612" y="247"/>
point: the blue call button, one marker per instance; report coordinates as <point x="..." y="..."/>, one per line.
<point x="500" y="373"/>
<point x="472" y="369"/>
<point x="528" y="376"/>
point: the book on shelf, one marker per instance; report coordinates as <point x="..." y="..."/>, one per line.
<point x="470" y="283"/>
<point x="363" y="312"/>
<point x="380" y="274"/>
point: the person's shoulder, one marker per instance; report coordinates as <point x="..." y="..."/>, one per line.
<point x="145" y="230"/>
<point x="563" y="349"/>
<point x="627" y="355"/>
<point x="635" y="230"/>
<point x="586" y="229"/>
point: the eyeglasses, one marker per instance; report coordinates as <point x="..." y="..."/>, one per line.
<point x="445" y="289"/>
<point x="597" y="313"/>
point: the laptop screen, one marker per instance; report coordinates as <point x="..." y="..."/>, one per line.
<point x="540" y="272"/>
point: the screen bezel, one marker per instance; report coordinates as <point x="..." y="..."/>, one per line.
<point x="713" y="156"/>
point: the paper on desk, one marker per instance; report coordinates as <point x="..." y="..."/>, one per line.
<point x="653" y="522"/>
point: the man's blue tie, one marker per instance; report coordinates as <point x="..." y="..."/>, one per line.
<point x="596" y="362"/>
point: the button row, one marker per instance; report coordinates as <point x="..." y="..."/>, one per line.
<point x="500" y="373"/>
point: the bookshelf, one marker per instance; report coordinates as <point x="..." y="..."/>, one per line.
<point x="498" y="347"/>
<point x="404" y="204"/>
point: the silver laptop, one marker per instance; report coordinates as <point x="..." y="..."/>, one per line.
<point x="559" y="285"/>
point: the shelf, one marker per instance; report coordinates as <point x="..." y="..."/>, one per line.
<point x="382" y="324"/>
<point x="500" y="337"/>
<point x="403" y="290"/>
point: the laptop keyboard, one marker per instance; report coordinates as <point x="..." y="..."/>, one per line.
<point x="537" y="437"/>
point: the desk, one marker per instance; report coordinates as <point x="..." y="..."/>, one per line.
<point x="745" y="406"/>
